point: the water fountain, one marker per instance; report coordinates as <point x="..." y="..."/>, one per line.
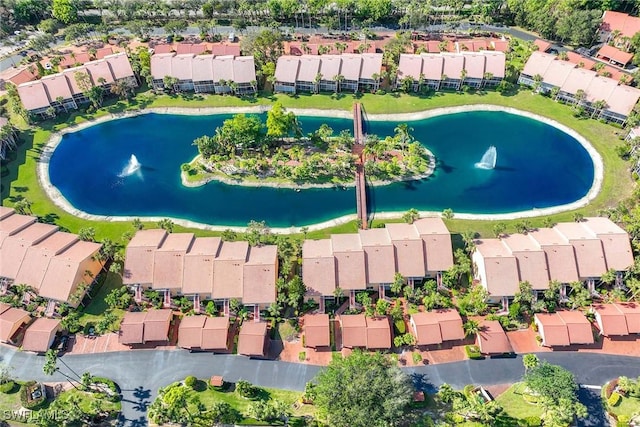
<point x="489" y="158"/>
<point x="132" y="167"/>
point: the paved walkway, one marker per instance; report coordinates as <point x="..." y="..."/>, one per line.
<point x="141" y="373"/>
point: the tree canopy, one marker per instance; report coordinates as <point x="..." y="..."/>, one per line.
<point x="558" y="392"/>
<point x="363" y="390"/>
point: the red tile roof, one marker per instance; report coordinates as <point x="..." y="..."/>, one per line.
<point x="354" y="330"/>
<point x="316" y="330"/>
<point x="615" y="54"/>
<point x="627" y="25"/>
<point x="252" y="340"/>
<point x="379" y="336"/>
<point x="40" y="334"/>
<point x="492" y="338"/>
<point x="542" y="45"/>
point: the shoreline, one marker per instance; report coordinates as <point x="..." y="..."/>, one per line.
<point x="61" y="202"/>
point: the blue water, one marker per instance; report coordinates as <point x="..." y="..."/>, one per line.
<point x="538" y="166"/>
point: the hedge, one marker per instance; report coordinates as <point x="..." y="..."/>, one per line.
<point x="7" y="387"/>
<point x="115" y="397"/>
<point x="190" y="381"/>
<point x="614" y="399"/>
<point x="533" y="421"/>
<point x="473" y="352"/>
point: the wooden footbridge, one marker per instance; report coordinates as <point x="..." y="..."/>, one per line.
<point x="358" y="150"/>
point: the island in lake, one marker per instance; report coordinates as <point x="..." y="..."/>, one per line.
<point x="247" y="151"/>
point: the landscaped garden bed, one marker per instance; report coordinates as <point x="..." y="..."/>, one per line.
<point x="240" y="403"/>
<point x="519" y="404"/>
<point x="621" y="398"/>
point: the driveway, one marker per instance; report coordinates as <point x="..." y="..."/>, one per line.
<point x="141" y="373"/>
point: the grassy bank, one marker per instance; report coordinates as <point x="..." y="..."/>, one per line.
<point x="22" y="180"/>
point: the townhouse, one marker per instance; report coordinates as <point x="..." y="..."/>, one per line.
<point x="63" y="92"/>
<point x="601" y="97"/>
<point x="201" y="268"/>
<point x="566" y="253"/>
<point x="56" y="264"/>
<point x="209" y="73"/>
<point x="451" y="70"/>
<point x="313" y="73"/>
<point x="370" y="259"/>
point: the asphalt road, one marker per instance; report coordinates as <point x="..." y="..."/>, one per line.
<point x="141" y="373"/>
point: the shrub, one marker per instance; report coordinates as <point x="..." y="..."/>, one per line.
<point x="302" y="356"/>
<point x="533" y="421"/>
<point x="400" y="326"/>
<point x="614" y="399"/>
<point x="417" y="358"/>
<point x="7" y="387"/>
<point x="190" y="381"/>
<point x="468" y="390"/>
<point x="246" y="389"/>
<point x="473" y="352"/>
<point x="623" y="420"/>
<point x="112" y="386"/>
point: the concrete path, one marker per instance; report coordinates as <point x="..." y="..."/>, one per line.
<point x="141" y="373"/>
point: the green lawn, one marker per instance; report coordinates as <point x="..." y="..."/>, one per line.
<point x="628" y="406"/>
<point x="97" y="307"/>
<point x="11" y="402"/>
<point x="515" y="406"/>
<point x="22" y="180"/>
<point x="85" y="399"/>
<point x="208" y="396"/>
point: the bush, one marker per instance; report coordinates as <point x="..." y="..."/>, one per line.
<point x="112" y="386"/>
<point x="400" y="326"/>
<point x="417" y="358"/>
<point x="7" y="387"/>
<point x="468" y="390"/>
<point x="623" y="420"/>
<point x="246" y="389"/>
<point x="533" y="421"/>
<point x="473" y="352"/>
<point x="610" y="388"/>
<point x="614" y="399"/>
<point x="190" y="381"/>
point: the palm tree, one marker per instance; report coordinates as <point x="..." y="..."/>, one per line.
<point x="471" y="328"/>
<point x="338" y="78"/>
<point x="580" y="96"/>
<point x="487" y="77"/>
<point x="23" y="206"/>
<point x="403" y="134"/>
<point x="537" y="82"/>
<point x="60" y="100"/>
<point x="8" y="139"/>
<point x="598" y="106"/>
<point x="624" y="79"/>
<point x="316" y="82"/>
<point x="50" y="366"/>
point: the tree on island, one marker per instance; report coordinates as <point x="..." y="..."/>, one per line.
<point x="281" y="123"/>
<point x="363" y="390"/>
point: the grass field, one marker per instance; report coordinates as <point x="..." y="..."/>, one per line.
<point x="515" y="406"/>
<point x="22" y="180"/>
<point x="208" y="395"/>
<point x="94" y="312"/>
